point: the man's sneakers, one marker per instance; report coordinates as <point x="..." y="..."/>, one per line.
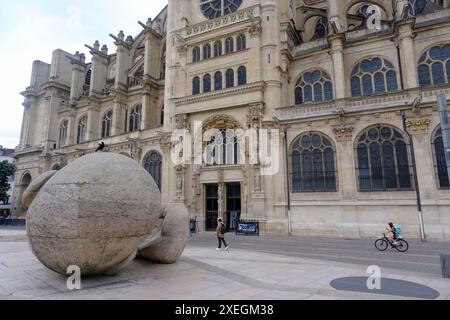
<point x="217" y="249"/>
<point x="227" y="248"/>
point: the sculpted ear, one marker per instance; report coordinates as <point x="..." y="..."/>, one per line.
<point x="33" y="189"/>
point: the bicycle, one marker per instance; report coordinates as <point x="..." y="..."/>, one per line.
<point x="382" y="244"/>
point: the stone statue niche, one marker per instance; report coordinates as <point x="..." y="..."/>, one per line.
<point x="98" y="213"/>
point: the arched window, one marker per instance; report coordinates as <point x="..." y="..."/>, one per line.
<point x="229" y="45"/>
<point x="373" y="76"/>
<point x="82" y="129"/>
<point x="223" y="148"/>
<point x="417" y="7"/>
<point x="313" y="167"/>
<point x="440" y="161"/>
<point x="217" y="48"/>
<point x="161" y="121"/>
<point x="63" y="133"/>
<point x="216" y="8"/>
<point x="135" y="119"/>
<point x="207" y="83"/>
<point x="383" y="160"/>
<point x="230" y="78"/>
<point x="434" y="66"/>
<point x="107" y="124"/>
<point x="196" y="86"/>
<point x="242" y="76"/>
<point x="314" y="86"/>
<point x="196" y="54"/>
<point x="321" y="30"/>
<point x="241" y="42"/>
<point x="206" y="51"/>
<point x="218" y="81"/>
<point x="153" y="165"/>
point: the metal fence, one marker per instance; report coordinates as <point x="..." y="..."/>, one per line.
<point x="12" y="222"/>
<point x="247" y="227"/>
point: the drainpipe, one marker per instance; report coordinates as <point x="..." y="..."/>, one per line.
<point x="416" y="181"/>
<point x="288" y="187"/>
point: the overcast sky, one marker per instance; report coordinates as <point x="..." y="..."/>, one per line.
<point x="31" y="29"/>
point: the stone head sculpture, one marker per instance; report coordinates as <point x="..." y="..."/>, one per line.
<point x="95" y="214"/>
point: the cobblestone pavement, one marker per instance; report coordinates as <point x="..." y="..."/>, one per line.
<point x="243" y="273"/>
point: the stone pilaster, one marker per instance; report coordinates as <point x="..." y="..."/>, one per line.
<point x="337" y="55"/>
<point x="407" y="53"/>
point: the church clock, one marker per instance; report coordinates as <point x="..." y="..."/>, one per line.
<point x="216" y="8"/>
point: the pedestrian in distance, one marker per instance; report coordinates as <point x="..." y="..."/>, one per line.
<point x="221" y="230"/>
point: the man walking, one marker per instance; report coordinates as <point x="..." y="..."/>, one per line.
<point x="221" y="230"/>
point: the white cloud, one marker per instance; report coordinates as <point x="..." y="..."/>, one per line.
<point x="31" y="30"/>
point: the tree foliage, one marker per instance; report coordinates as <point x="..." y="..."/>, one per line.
<point x="6" y="170"/>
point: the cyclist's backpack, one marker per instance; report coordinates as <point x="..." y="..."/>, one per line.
<point x="223" y="228"/>
<point x="398" y="231"/>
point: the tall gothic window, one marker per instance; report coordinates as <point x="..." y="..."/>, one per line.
<point x="218" y="81"/>
<point x="82" y="129"/>
<point x="212" y="9"/>
<point x="440" y="161"/>
<point x="153" y="165"/>
<point x="229" y="45"/>
<point x="417" y="7"/>
<point x="217" y="48"/>
<point x="107" y="124"/>
<point x="161" y="118"/>
<point x="135" y="119"/>
<point x="207" y="83"/>
<point x="321" y="30"/>
<point x="206" y="51"/>
<point x="196" y="86"/>
<point x="230" y="78"/>
<point x="314" y="86"/>
<point x="241" y="42"/>
<point x="242" y="76"/>
<point x="434" y="66"/>
<point x="313" y="164"/>
<point x="373" y="76"/>
<point x="223" y="149"/>
<point x="63" y="133"/>
<point x="383" y="160"/>
<point x="196" y="54"/>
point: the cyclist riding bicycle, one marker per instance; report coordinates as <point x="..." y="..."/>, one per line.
<point x="392" y="233"/>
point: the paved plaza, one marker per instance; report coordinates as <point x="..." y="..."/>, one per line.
<point x="252" y="270"/>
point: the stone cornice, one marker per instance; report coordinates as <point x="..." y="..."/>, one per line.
<point x="401" y="99"/>
<point x="221" y="93"/>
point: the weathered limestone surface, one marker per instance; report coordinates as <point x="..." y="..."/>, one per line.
<point x="94" y="214"/>
<point x="33" y="189"/>
<point x="174" y="236"/>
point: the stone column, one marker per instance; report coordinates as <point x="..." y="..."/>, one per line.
<point x="419" y="128"/>
<point x="167" y="169"/>
<point x="71" y="129"/>
<point x="78" y="78"/>
<point x="99" y="69"/>
<point x="118" y="121"/>
<point x="122" y="57"/>
<point x="25" y="124"/>
<point x="345" y="161"/>
<point x="337" y="55"/>
<point x="152" y="54"/>
<point x="92" y="124"/>
<point x="407" y="54"/>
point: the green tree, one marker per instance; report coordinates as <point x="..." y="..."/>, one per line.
<point x="6" y="170"/>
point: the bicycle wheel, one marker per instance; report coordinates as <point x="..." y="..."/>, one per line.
<point x="381" y="245"/>
<point x="402" y="245"/>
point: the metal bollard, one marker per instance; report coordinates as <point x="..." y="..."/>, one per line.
<point x="445" y="264"/>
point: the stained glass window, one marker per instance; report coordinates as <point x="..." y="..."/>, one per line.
<point x="440" y="161"/>
<point x="153" y="165"/>
<point x="107" y="124"/>
<point x="383" y="160"/>
<point x="195" y="86"/>
<point x="313" y="166"/>
<point x="434" y="66"/>
<point x="373" y="76"/>
<point x="218" y="81"/>
<point x="314" y="86"/>
<point x="216" y="8"/>
<point x="242" y="76"/>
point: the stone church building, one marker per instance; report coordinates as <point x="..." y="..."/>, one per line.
<point x="348" y="89"/>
